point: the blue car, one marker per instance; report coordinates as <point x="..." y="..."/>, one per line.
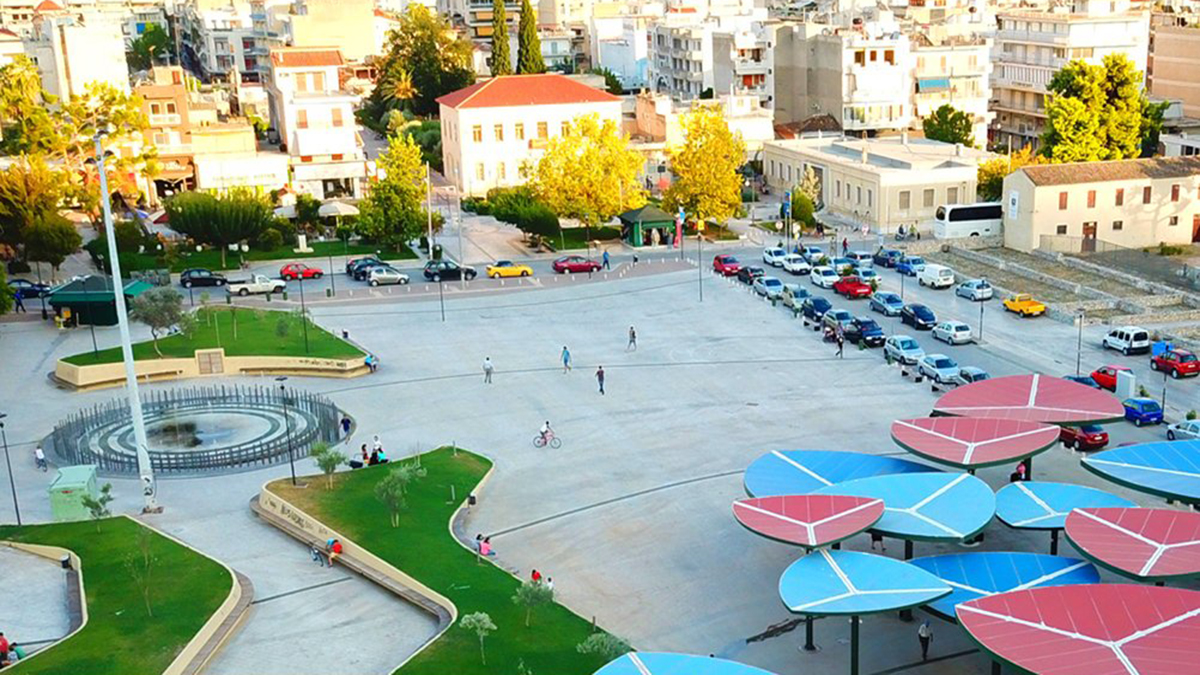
<point x="1143" y="411"/>
<point x="1084" y="380"/>
<point x="910" y="265"/>
<point x="814" y="308"/>
<point x="887" y="257"/>
<point x="887" y="304"/>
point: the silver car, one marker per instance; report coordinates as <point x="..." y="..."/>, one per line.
<point x="836" y="318"/>
<point x="768" y="287"/>
<point x="952" y="332"/>
<point x="974" y="289"/>
<point x="794" y="295"/>
<point x="1188" y="430"/>
<point x="939" y="368"/>
<point x="903" y="348"/>
<point x="969" y="374"/>
<point x="384" y="275"/>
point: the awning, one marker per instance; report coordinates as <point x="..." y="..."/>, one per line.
<point x="930" y="85"/>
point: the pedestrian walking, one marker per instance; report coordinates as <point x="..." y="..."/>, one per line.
<point x="600" y="378"/>
<point x="566" y="359"/>
<point x="877" y="538"/>
<point x="925" y="635"/>
<point x="550" y="583"/>
<point x="487" y="370"/>
<point x="841" y="343"/>
<point x="346" y="427"/>
<point x="535" y="577"/>
<point x="604" y="258"/>
<point x="20" y="306"/>
<point x="632" y="340"/>
<point x="845" y="245"/>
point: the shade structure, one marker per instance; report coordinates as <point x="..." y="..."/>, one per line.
<point x="972" y="442"/>
<point x="1147" y="544"/>
<point x="1095" y="629"/>
<point x="1034" y="505"/>
<point x="1036" y="398"/>
<point x="848" y="582"/>
<point x="1168" y="469"/>
<point x="977" y="575"/>
<point x="336" y="209"/>
<point x="797" y="472"/>
<point x="926" y="506"/>
<point x="808" y="520"/>
<point x="666" y="663"/>
<point x="287" y="211"/>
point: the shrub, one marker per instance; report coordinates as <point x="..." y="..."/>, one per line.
<point x="269" y="240"/>
<point x="1191" y="414"/>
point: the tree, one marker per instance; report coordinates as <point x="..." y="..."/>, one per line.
<point x="391" y="489"/>
<point x="1152" y="121"/>
<point x="589" y="173"/>
<point x="159" y="308"/>
<point x="810" y="186"/>
<point x="481" y="624"/>
<point x="98" y="506"/>
<point x="393" y="213"/>
<point x="501" y="60"/>
<point x="219" y="221"/>
<point x="1073" y="132"/>
<point x="532" y="594"/>
<point x="140" y="566"/>
<point x="612" y="83"/>
<point x="25" y="111"/>
<point x="1097" y="112"/>
<point x="152" y="46"/>
<point x="329" y="459"/>
<point x="529" y="45"/>
<point x="949" y="125"/>
<point x="990" y="176"/>
<point x="6" y="293"/>
<point x="428" y="57"/>
<point x="707" y="183"/>
<point x="605" y="645"/>
<point x="30" y="192"/>
<point x="51" y="240"/>
<point x="308" y="210"/>
<point x="802" y="210"/>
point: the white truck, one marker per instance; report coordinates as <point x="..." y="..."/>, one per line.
<point x="255" y="284"/>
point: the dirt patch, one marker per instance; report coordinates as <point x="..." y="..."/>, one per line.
<point x="1004" y="278"/>
<point x="1069" y="274"/>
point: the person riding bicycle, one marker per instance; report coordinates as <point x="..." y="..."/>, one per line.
<point x="39" y="457"/>
<point x="547" y="432"/>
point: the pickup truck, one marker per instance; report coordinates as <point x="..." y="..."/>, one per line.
<point x="255" y="284"/>
<point x="1024" y="305"/>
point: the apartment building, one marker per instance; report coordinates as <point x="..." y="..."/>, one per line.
<point x="347" y="25"/>
<point x="727" y="56"/>
<point x="1179" y="145"/>
<point x="217" y="39"/>
<point x="314" y="117"/>
<point x="1174" y="61"/>
<point x="956" y="72"/>
<point x="1032" y="45"/>
<point x="492" y="129"/>
<point x="1130" y="203"/>
<point x="133" y="15"/>
<point x="622" y="46"/>
<point x="660" y="120"/>
<point x="73" y="51"/>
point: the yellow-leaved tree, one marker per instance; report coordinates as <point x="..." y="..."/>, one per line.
<point x="990" y="182"/>
<point x="590" y="173"/>
<point x="707" y="183"/>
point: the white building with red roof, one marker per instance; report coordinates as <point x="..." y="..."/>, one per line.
<point x="491" y="129"/>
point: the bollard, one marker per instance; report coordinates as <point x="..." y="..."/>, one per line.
<point x="285" y="294"/>
<point x="328" y="292"/>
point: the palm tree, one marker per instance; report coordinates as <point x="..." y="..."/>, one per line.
<point x="400" y="89"/>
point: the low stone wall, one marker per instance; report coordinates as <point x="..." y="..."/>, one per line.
<point x="1151" y="287"/>
<point x="1041" y="277"/>
<point x="932" y="245"/>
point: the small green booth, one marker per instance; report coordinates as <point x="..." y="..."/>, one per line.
<point x="90" y="300"/>
<point x="71" y="483"/>
<point x="647" y="226"/>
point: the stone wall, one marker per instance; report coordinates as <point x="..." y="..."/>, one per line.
<point x="1151" y="287"/>
<point x="1041" y="277"/>
<point x="932" y="245"/>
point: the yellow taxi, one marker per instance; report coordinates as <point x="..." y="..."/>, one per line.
<point x="507" y="268"/>
<point x="1024" y="305"/>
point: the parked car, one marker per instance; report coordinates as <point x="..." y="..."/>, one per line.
<point x="910" y="265"/>
<point x="796" y="264"/>
<point x="904" y="349"/>
<point x="386" y="275"/>
<point x="975" y="289"/>
<point x="952" y="332"/>
<point x="574" y="264"/>
<point x="1106" y="376"/>
<point x="362" y="270"/>
<point x="1086" y="437"/>
<point x="887" y="304"/>
<point x="1086" y="380"/>
<point x="794" y="295"/>
<point x="1143" y="411"/>
<point x="851" y="287"/>
<point x="936" y="276"/>
<point x="774" y="256"/>
<point x="823" y="276"/>
<point x="814" y="307"/>
<point x="747" y="275"/>
<point x="939" y="368"/>
<point x="1128" y="340"/>
<point x="768" y="287"/>
<point x="293" y="271"/>
<point x="918" y="316"/>
<point x="812" y="254"/>
<point x="355" y="261"/>
<point x="25" y="289"/>
<point x="502" y="269"/>
<point x="1178" y="362"/>
<point x="1024" y="305"/>
<point x="447" y="270"/>
<point x="726" y="265"/>
<point x="842" y="265"/>
<point x="869" y="277"/>
<point x="837" y="318"/>
<point x="887" y="257"/>
<point x="969" y="374"/>
<point x="1187" y="430"/>
<point x="200" y="278"/>
<point x="861" y="260"/>
<point x="255" y="285"/>
<point x="864" y="330"/>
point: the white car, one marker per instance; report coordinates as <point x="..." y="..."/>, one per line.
<point x="796" y="264"/>
<point x="1128" y="340"/>
<point x="823" y="276"/>
<point x="939" y="368"/>
<point x="936" y="276"/>
<point x="1188" y="430"/>
<point x="385" y="275"/>
<point x="975" y="289"/>
<point x="952" y="332"/>
<point x="903" y="348"/>
<point x="774" y="256"/>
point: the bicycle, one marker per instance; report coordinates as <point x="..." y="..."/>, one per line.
<point x="541" y="441"/>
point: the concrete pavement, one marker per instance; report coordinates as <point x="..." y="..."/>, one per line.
<point x="33" y="599"/>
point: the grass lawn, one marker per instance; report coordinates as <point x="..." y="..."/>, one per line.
<point x="256" y="336"/>
<point x="577" y="237"/>
<point x="423" y="547"/>
<point x="211" y="259"/>
<point x="120" y="638"/>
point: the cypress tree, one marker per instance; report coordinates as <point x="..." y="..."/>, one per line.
<point x="529" y="46"/>
<point x="501" y="61"/>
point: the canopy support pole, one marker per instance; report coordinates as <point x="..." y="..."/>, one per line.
<point x="1053" y="542"/>
<point x="854" y="644"/>
<point x="809" y="646"/>
<point x="906" y="614"/>
<point x="995" y="668"/>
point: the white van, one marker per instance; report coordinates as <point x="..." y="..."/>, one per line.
<point x="1128" y="340"/>
<point x="936" y="276"/>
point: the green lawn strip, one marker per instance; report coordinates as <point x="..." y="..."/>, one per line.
<point x="120" y="638"/>
<point x="577" y="237"/>
<point x="423" y="547"/>
<point x="211" y="258"/>
<point x="256" y="336"/>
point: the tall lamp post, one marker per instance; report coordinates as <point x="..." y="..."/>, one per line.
<point x="304" y="310"/>
<point x="1079" y="344"/>
<point x="145" y="470"/>
<point x="287" y="420"/>
<point x="12" y="483"/>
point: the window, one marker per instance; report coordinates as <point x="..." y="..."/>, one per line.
<point x="837" y="189"/>
<point x="498" y="130"/>
<point x="789" y="173"/>
<point x="874" y="56"/>
<point x="869" y="197"/>
<point x="337" y="117"/>
<point x="1146" y="195"/>
<point x="927" y="198"/>
<point x="1118" y="225"/>
<point x="479" y="171"/>
<point x="1120" y="196"/>
<point x="1175" y="192"/>
<point x="500" y="172"/>
<point x="565" y="128"/>
<point x="889" y="55"/>
<point x="301" y="82"/>
<point x="1091" y="199"/>
<point x="318" y="81"/>
<point x="155" y="109"/>
<point x="338" y="157"/>
<point x="171" y="109"/>
<point x="543" y="130"/>
<point x="302" y="119"/>
<point x="1062" y="201"/>
<point x="519" y="131"/>
<point x="952" y="195"/>
<point x="1173" y="221"/>
<point x="905" y="200"/>
<point x="860" y="58"/>
<point x="858" y="190"/>
<point x="477" y="133"/>
<point x="305" y="158"/>
<point x="1061" y="229"/>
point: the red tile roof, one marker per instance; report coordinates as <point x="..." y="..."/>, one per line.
<point x="9" y="34"/>
<point x="522" y="90"/>
<point x="47" y="6"/>
<point x="1116" y="170"/>
<point x="300" y="57"/>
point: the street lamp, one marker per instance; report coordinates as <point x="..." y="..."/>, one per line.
<point x="1079" y="344"/>
<point x="287" y="420"/>
<point x="304" y="311"/>
<point x="12" y="483"/>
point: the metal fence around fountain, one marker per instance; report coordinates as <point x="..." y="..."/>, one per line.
<point x="70" y="440"/>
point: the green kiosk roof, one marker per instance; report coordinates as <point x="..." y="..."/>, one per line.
<point x="94" y="288"/>
<point x="646" y="215"/>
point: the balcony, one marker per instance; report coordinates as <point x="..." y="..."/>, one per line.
<point x="1012" y="108"/>
<point x="166" y="120"/>
<point x="1036" y="37"/>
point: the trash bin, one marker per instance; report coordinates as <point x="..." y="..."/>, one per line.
<point x="71" y="483"/>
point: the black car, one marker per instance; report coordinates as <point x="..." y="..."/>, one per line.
<point x="1084" y="380"/>
<point x="351" y="263"/>
<point x="865" y="329"/>
<point x="747" y="275"/>
<point x="918" y="316"/>
<point x="886" y="257"/>
<point x="814" y="307"/>
<point x="362" y="270"/>
<point x="201" y="277"/>
<point x="26" y="290"/>
<point x="447" y="270"/>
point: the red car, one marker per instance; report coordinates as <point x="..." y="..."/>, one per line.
<point x="575" y="263"/>
<point x="726" y="265"/>
<point x="1086" y="437"/>
<point x="1106" y="377"/>
<point x="300" y="271"/>
<point x="851" y="287"/>
<point x="1178" y="362"/>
